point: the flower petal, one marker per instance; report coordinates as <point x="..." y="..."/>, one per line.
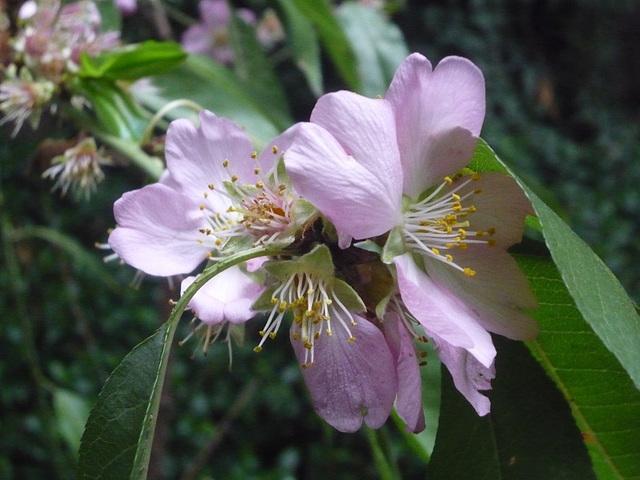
<point x="350" y="382"/>
<point x="469" y="375"/>
<point x="409" y="401"/>
<point x="157" y="231"/>
<point x="195" y="156"/>
<point x="441" y="313"/>
<point x="365" y="128"/>
<point x="496" y="302"/>
<point x="439" y="116"/>
<point x="501" y="206"/>
<point x="356" y="200"/>
<point x="226" y="297"/>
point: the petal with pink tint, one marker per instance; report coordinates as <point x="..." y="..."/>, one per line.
<point x="469" y="375"/>
<point x="226" y="297"/>
<point x="409" y="399"/>
<point x="500" y="205"/>
<point x="495" y="301"/>
<point x="365" y="128"/>
<point x="438" y="113"/>
<point x="351" y="382"/>
<point x="440" y="312"/>
<point x="356" y="200"/>
<point x="195" y="156"/>
<point x="157" y="231"/>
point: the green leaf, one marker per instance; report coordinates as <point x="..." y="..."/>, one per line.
<point x="117" y="440"/>
<point x="601" y="299"/>
<point x="254" y="70"/>
<point x="71" y="412"/>
<point x="118" y="435"/>
<point x="133" y="62"/>
<point x="320" y="13"/>
<point x="378" y="44"/>
<point x="590" y="337"/>
<point x="115" y="111"/>
<point x="528" y="434"/>
<point x="603" y="399"/>
<point x="216" y="88"/>
<point x="604" y="304"/>
<point x="304" y="45"/>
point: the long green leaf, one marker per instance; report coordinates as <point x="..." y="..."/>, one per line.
<point x="378" y="44"/>
<point x="133" y="62"/>
<point x="117" y="440"/>
<point x="255" y="72"/>
<point x="336" y="43"/>
<point x="528" y="434"/>
<point x="590" y="338"/>
<point x="304" y="45"/>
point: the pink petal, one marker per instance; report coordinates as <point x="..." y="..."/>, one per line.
<point x="365" y="128"/>
<point x="469" y="375"/>
<point x="195" y="156"/>
<point x="500" y="205"/>
<point x="440" y="312"/>
<point x="226" y="297"/>
<point x="356" y="200"/>
<point x="495" y="301"/>
<point x="433" y="109"/>
<point x="409" y="401"/>
<point x="350" y="382"/>
<point x="157" y="231"/>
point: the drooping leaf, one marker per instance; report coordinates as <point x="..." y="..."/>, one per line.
<point x="378" y="44"/>
<point x="133" y="62"/>
<point x="255" y="72"/>
<point x="304" y="45"/>
<point x="529" y="433"/>
<point x="320" y="14"/>
<point x="117" y="439"/>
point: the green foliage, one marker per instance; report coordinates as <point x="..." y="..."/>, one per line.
<point x="378" y="44"/>
<point x="528" y="434"/>
<point x="144" y="60"/>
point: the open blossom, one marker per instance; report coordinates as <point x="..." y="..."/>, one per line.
<point x="391" y="167"/>
<point x="348" y="368"/>
<point x="216" y="189"/>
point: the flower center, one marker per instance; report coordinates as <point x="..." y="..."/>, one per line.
<point x="315" y="309"/>
<point x="439" y="224"/>
<point x="262" y="209"/>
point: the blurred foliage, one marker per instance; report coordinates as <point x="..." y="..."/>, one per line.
<point x="563" y="99"/>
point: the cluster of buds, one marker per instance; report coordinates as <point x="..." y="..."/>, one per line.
<point x="39" y="64"/>
<point x="373" y="232"/>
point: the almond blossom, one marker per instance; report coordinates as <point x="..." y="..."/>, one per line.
<point x="392" y="168"/>
<point x="216" y="189"/>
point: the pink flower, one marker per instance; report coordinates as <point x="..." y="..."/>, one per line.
<point x="348" y="368"/>
<point x="390" y="167"/>
<point x="216" y="188"/>
<point x="210" y="36"/>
